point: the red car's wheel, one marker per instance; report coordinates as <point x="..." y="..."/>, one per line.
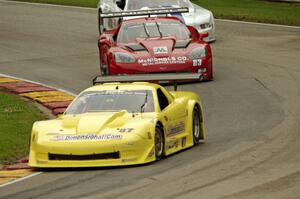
<point x="103" y="61"/>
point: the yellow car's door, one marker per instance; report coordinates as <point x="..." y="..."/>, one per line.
<point x="175" y="115"/>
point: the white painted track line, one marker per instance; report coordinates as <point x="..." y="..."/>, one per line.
<point x="20" y="179"/>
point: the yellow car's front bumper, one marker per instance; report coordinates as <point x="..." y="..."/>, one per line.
<point x="47" y="154"/>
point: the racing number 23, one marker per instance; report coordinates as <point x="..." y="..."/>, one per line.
<point x="197" y="62"/>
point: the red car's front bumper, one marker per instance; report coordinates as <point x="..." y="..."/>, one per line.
<point x="189" y="66"/>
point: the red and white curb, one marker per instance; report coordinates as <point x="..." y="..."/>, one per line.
<point x="54" y="99"/>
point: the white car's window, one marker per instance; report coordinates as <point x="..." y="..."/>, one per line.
<point x="129" y="32"/>
<point x="174" y="28"/>
<point x="112" y="100"/>
<point x="143" y="4"/>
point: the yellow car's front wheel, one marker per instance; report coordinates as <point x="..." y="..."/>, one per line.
<point x="197" y="128"/>
<point x="159" y="143"/>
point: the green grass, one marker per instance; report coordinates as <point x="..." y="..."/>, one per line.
<point x="246" y="10"/>
<point x="16" y="119"/>
<point x="254" y="10"/>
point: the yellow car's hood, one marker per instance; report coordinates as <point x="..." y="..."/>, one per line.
<point x="93" y="123"/>
<point x="105" y="124"/>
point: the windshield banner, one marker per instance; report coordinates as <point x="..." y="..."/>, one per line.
<point x="144" y="12"/>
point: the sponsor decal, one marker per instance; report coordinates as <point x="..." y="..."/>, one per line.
<point x="144" y="12"/>
<point x="173" y="144"/>
<point x="86" y="137"/>
<point x="160" y="50"/>
<point x="163" y="60"/>
<point x="183" y="142"/>
<point x="175" y="129"/>
<point x="125" y="130"/>
<point x="122" y="92"/>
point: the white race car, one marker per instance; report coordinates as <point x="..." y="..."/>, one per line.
<point x="200" y="18"/>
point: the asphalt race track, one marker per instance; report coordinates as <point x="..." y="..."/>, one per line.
<point x="252" y="110"/>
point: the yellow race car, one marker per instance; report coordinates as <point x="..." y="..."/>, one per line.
<point x="113" y="124"/>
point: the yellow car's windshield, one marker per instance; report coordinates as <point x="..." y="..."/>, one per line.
<point x="113" y="100"/>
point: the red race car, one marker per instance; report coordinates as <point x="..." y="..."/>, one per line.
<point x="159" y="44"/>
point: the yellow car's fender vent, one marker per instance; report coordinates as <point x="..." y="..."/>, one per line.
<point x="101" y="156"/>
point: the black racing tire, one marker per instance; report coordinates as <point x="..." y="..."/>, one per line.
<point x="197" y="126"/>
<point x="100" y="23"/>
<point x="159" y="143"/>
<point x="103" y="68"/>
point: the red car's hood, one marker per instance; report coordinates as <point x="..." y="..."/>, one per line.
<point x="158" y="47"/>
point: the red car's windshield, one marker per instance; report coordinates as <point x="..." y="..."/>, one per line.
<point x="112" y="100"/>
<point x="129" y="32"/>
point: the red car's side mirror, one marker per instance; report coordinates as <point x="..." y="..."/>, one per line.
<point x="103" y="41"/>
<point x="202" y="35"/>
<point x="194" y="32"/>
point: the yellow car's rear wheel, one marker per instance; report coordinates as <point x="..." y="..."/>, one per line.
<point x="159" y="143"/>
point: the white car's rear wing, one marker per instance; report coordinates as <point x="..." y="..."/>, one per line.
<point x="161" y="78"/>
<point x="149" y="12"/>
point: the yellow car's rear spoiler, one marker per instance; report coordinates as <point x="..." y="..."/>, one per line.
<point x="161" y="78"/>
<point x="149" y="12"/>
